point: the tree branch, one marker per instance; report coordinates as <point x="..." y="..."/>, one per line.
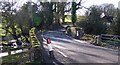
<point x="79" y="3"/>
<point x="67" y="3"/>
<point x="86" y="8"/>
<point x="77" y="8"/>
<point x="67" y="10"/>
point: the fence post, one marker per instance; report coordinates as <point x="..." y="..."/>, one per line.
<point x="98" y="39"/>
<point x="9" y="51"/>
<point x="114" y="41"/>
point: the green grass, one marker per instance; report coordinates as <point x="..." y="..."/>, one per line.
<point x="67" y="20"/>
<point x="16" y="58"/>
<point x="79" y="18"/>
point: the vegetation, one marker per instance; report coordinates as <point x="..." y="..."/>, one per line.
<point x="94" y="23"/>
<point x="116" y="24"/>
<point x="79" y="18"/>
<point x="75" y="7"/>
<point x="33" y="17"/>
<point x="17" y="58"/>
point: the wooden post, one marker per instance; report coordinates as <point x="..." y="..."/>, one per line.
<point x="98" y="39"/>
<point x="9" y="51"/>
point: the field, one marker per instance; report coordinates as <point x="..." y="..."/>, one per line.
<point x="79" y="18"/>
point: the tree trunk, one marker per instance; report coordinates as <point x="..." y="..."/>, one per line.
<point x="58" y="20"/>
<point x="73" y="13"/>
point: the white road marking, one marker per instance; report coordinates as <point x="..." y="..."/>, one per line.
<point x="12" y="52"/>
<point x="59" y="47"/>
<point x="3" y="54"/>
<point x="61" y="53"/>
<point x="19" y="51"/>
<point x="80" y="41"/>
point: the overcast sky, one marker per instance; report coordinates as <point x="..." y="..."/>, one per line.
<point x="89" y="3"/>
<point x="86" y="3"/>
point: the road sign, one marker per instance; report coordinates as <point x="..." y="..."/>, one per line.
<point x="37" y="20"/>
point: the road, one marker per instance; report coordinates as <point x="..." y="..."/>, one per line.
<point x="70" y="50"/>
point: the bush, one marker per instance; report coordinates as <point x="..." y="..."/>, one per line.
<point x="72" y="31"/>
<point x="96" y="27"/>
